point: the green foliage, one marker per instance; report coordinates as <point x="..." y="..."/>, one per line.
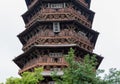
<point x="78" y="72"/>
<point x="84" y="72"/>
<point x="113" y="77"/>
<point x="27" y="77"/>
<point x="13" y="80"/>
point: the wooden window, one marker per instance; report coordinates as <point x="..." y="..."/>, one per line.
<point x="56" y="5"/>
<point x="56" y="27"/>
<point x="55" y="54"/>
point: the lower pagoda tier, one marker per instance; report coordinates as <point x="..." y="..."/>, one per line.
<point x="50" y="57"/>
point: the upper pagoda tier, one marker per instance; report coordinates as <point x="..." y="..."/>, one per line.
<point x="31" y="3"/>
<point x="70" y="32"/>
<point x="58" y="12"/>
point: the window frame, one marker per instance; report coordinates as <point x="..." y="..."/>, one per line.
<point x="56" y="27"/>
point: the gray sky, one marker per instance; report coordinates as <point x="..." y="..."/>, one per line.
<point x="106" y="21"/>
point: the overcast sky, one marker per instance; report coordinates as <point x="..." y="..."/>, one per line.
<point x="106" y="21"/>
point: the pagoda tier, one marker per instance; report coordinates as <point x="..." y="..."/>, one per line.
<point x="70" y="33"/>
<point x="84" y="3"/>
<point x="65" y="11"/>
<point x="51" y="57"/>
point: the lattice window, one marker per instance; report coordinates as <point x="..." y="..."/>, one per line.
<point x="55" y="54"/>
<point x="56" y="27"/>
<point x="56" y="5"/>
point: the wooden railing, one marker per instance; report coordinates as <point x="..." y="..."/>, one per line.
<point x="36" y="62"/>
<point x="71" y="35"/>
<point x="69" y="12"/>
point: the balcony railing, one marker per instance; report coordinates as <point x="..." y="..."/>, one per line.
<point x="69" y="12"/>
<point x="40" y="62"/>
<point x="71" y="35"/>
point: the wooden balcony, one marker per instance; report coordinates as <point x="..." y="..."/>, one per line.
<point x="48" y="14"/>
<point x="72" y="37"/>
<point x="40" y="62"/>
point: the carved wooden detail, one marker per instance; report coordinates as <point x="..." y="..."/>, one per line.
<point x="66" y="36"/>
<point x="47" y="14"/>
<point x="47" y="59"/>
<point x="43" y="61"/>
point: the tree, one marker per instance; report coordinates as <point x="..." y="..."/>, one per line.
<point x="78" y="72"/>
<point x="85" y="73"/>
<point x="13" y="80"/>
<point x="113" y="77"/>
<point x="27" y="77"/>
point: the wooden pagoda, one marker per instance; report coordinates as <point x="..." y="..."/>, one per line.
<point x="52" y="28"/>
